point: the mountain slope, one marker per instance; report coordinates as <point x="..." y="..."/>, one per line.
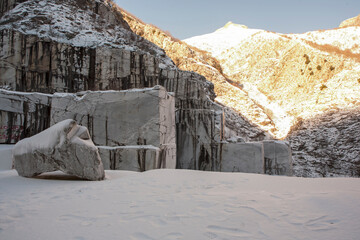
<point x="189" y="58"/>
<point x="305" y="71"/>
<point x="299" y="79"/>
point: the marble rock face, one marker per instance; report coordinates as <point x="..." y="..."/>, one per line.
<point x="65" y="146"/>
<point x="123" y="118"/>
<point x="23" y="115"/>
<point x="133" y="158"/>
<point x="199" y="132"/>
<point x="277" y="158"/>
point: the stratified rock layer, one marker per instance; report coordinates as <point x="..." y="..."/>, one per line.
<point x="65" y="146"/>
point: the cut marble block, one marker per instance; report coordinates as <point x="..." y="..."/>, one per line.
<point x="122" y="118"/>
<point x="134" y="158"/>
<point x="23" y="115"/>
<point x="242" y="157"/>
<point x="278" y="159"/>
<point x="64" y="146"/>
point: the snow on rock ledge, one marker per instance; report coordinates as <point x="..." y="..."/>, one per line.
<point x="65" y="146"/>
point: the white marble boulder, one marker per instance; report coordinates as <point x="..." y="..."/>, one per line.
<point x="65" y="146"/>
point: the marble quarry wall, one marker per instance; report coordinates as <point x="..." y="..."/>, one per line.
<point x="35" y="64"/>
<point x="136" y="131"/>
<point x="23" y="115"/>
<point x="125" y="123"/>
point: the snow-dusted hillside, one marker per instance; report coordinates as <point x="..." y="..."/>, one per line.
<point x="342" y="38"/>
<point x="295" y="78"/>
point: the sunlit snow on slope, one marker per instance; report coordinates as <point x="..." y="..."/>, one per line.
<point x="253" y="57"/>
<point x="343" y="38"/>
<point x="224" y="38"/>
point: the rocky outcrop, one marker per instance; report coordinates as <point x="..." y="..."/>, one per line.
<point x="65" y="146"/>
<point x="351" y="22"/>
<point x="327" y="145"/>
<point x="23" y="115"/>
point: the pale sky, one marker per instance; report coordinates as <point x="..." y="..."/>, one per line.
<point x="187" y="18"/>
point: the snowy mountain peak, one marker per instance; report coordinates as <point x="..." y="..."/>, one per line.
<point x="224" y="38"/>
<point x="230" y="25"/>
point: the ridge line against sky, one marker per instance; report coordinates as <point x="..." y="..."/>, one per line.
<point x="188" y="18"/>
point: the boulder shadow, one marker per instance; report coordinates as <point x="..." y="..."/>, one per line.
<point x="58" y="175"/>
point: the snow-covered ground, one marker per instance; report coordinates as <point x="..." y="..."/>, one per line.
<point x="178" y="204"/>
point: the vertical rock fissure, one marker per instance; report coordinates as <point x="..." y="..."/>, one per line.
<point x="92" y="69"/>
